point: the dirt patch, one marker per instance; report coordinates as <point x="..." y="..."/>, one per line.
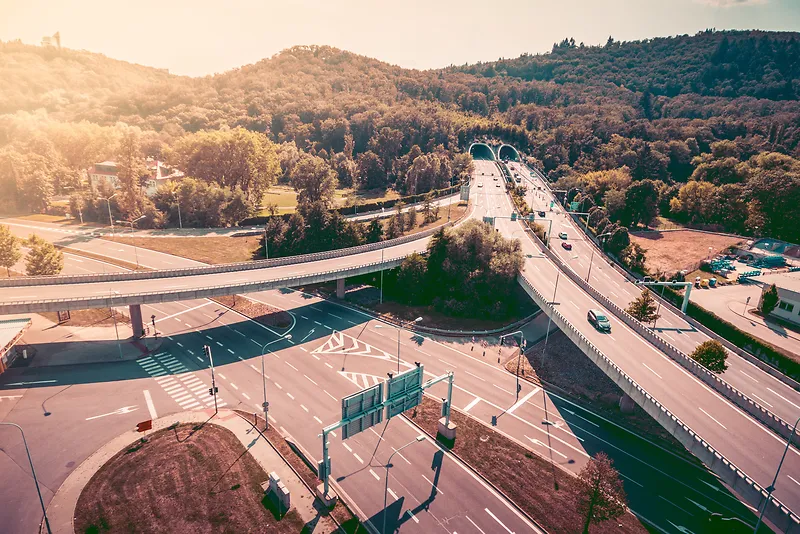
<point x="107" y="259"/>
<point x="568" y="369"/>
<point x="91" y="317"/>
<point x="261" y="313"/>
<point x="541" y="489"/>
<point x="457" y="211"/>
<point x="207" y="249"/>
<point x="184" y="479"/>
<point x="340" y="513"/>
<point x="668" y="252"/>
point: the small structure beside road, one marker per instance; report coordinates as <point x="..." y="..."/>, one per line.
<point x="788" y="286"/>
<point x="11" y="331"/>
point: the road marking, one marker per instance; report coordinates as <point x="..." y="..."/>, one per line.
<point x="317" y="419"/>
<point x="334" y="315"/>
<point x="346" y="446"/>
<point x="172" y="388"/>
<point x="373" y="473"/>
<point x="10" y="397"/>
<point x="238" y="332"/>
<point x="187" y="325"/>
<point x="290" y="395"/>
<point x="150" y="407"/>
<point x="793" y="480"/>
<point x="432" y="485"/>
<point x="358" y="458"/>
<point x="234" y="386"/>
<point x="278" y="385"/>
<point x="305" y="350"/>
<point x="259" y="345"/>
<point x="29" y="383"/>
<point x="329" y="365"/>
<point x="328" y="394"/>
<point x="759" y="398"/>
<point x="524" y="399"/>
<point x="748" y="376"/>
<point x="229" y="350"/>
<point x="472" y="404"/>
<point x="412" y="516"/>
<point x="253" y="367"/>
<point x="303" y="407"/>
<point x="784" y="398"/>
<point x="317" y="323"/>
<point x="304" y="317"/>
<point x="498" y="521"/>
<point x="705" y="412"/>
<point x="218" y="343"/>
<point x="246" y="396"/>
<point x="182" y="396"/>
<point x="393" y="494"/>
<point x="222" y="376"/>
<point x="474" y="525"/>
<point x="292" y="366"/>
<point x="576" y="415"/>
<point x="501" y="389"/>
<point x="199" y="359"/>
<point x="209" y="338"/>
<point x="649" y="369"/>
<point x="310" y="380"/>
<point x="120" y="411"/>
<point x="476" y="376"/>
<point x="542" y="444"/>
<point x="180" y="344"/>
<point x="576" y="306"/>
<point x="446" y="363"/>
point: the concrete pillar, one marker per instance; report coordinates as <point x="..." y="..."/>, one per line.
<point x="626" y="404"/>
<point x="340" y="288"/>
<point x="136" y="320"/>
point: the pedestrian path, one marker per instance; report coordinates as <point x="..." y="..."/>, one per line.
<point x="183" y="386"/>
<point x="61" y="510"/>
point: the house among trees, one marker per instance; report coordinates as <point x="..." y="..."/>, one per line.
<point x="158" y="173"/>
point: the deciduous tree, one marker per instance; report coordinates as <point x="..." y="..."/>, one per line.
<point x="644" y="307"/>
<point x="712" y="355"/>
<point x="769" y="300"/>
<point x="9" y="249"/>
<point x="43" y="258"/>
<point x="601" y="496"/>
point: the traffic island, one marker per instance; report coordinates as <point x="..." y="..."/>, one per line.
<point x="185" y="478"/>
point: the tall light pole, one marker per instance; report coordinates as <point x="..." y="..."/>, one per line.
<point x="178" y="203"/>
<point x="771" y="487"/>
<point x="266" y="248"/>
<point x="114" y="316"/>
<point x="398" y="328"/>
<point x="419" y="438"/>
<point x="265" y="405"/>
<point x="550" y="318"/>
<point x="135" y="250"/>
<point x="521" y="348"/>
<point x="33" y="473"/>
<point x="110" y="219"/>
<point x="381" y="299"/>
<point x="592" y="258"/>
<point x="213" y="389"/>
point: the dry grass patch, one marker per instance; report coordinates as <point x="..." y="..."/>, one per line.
<point x="668" y="252"/>
<point x="541" y="489"/>
<point x="207" y="249"/>
<point x="183" y="479"/>
<point x="259" y="312"/>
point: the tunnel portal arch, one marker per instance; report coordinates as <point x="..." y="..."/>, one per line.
<point x="481" y="151"/>
<point x="508" y="152"/>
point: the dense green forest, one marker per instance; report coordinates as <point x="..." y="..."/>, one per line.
<point x="718" y="108"/>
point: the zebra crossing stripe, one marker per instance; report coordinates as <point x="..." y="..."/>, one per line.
<point x="190" y="406"/>
<point x="182" y="398"/>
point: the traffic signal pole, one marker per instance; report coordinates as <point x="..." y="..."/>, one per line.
<point x="213" y="389"/>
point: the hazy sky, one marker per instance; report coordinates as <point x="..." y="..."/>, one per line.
<point x="205" y="36"/>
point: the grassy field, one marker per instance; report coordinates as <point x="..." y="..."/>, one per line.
<point x="668" y="252"/>
<point x="186" y="479"/>
<point x="285" y="198"/>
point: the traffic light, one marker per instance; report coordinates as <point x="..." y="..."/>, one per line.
<point x="445" y="408"/>
<point x="213" y="390"/>
<point x="207" y="351"/>
<point x="513" y="215"/>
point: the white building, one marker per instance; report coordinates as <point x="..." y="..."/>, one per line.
<point x="158" y="173"/>
<point x="788" y="287"/>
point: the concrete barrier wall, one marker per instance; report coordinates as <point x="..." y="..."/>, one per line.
<point x="215" y="269"/>
<point x="153" y="297"/>
<point x="750" y="491"/>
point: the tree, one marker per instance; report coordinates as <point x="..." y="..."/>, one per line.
<point x="43" y="258"/>
<point x="601" y="495"/>
<point x="635" y="258"/>
<point x="427" y="209"/>
<point x="412" y="218"/>
<point x="618" y="240"/>
<point x="712" y="355"/>
<point x="769" y="300"/>
<point x="314" y="181"/>
<point x="411" y="279"/>
<point x="641" y="202"/>
<point x="9" y="249"/>
<point x="374" y="231"/>
<point x="370" y="171"/>
<point x="644" y="307"/>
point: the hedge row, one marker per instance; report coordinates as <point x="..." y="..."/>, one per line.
<point x="762" y="350"/>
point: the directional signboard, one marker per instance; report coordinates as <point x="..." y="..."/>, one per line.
<point x="362" y="410"/>
<point x="464" y="192"/>
<point x="573" y="206"/>
<point x="404" y="391"/>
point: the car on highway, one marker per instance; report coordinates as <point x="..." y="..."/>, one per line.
<point x="495" y="178"/>
<point x="566" y="245"/>
<point x="599" y="320"/>
<point x="562" y="235"/>
<point x="480" y="184"/>
<point x="541" y="213"/>
<point x="497" y="184"/>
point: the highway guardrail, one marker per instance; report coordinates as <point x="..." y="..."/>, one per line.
<point x="779" y="514"/>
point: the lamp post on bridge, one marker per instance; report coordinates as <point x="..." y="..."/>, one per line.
<point x="771" y="488"/>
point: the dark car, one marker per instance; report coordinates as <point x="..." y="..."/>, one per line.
<point x="599" y="320"/>
<point x="566" y="245"/>
<point x="541" y="214"/>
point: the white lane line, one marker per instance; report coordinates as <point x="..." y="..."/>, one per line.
<point x="412" y="516"/>
<point x="253" y="367"/>
<point x="524" y="399"/>
<point x="501" y="389"/>
<point x="329" y="365"/>
<point x="334" y="315"/>
<point x="328" y="394"/>
<point x="256" y="342"/>
<point x="310" y="380"/>
<point x="476" y="376"/>
<point x="292" y="366"/>
<point x="542" y="444"/>
<point x="234" y="386"/>
<point x="179" y="344"/>
<point x="649" y="369"/>
<point x="432" y="485"/>
<point x="667" y="336"/>
<point x="446" y="362"/>
<point x="784" y="398"/>
<point x="472" y="404"/>
<point x="358" y="458"/>
<point x="748" y="376"/>
<point x="278" y="386"/>
<point x="347" y="447"/>
<point x="393" y="494"/>
<point x="238" y="332"/>
<point x="373" y="473"/>
<point x="793" y="480"/>
<point x="222" y="376"/>
<point x="710" y="417"/>
<point x="218" y="343"/>
<point x="759" y="398"/>
<point x="290" y="395"/>
<point x="246" y="396"/>
<point x="317" y="419"/>
<point x="187" y="325"/>
<point x="209" y="338"/>
<point x="150" y="407"/>
<point x="303" y="407"/>
<point x="498" y="521"/>
<point x="304" y="317"/>
<point x="473" y="524"/>
<point x="305" y="350"/>
<point x="576" y="306"/>
<point x="229" y="350"/>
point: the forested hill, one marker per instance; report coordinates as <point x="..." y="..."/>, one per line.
<point x="725" y="63"/>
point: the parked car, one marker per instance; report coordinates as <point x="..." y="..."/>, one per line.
<point x="599" y="320"/>
<point x="566" y="245"/>
<point x="562" y="235"/>
<point x="541" y="213"/>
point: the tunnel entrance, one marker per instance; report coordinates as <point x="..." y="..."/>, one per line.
<point x="481" y="151"/>
<point x="508" y="152"/>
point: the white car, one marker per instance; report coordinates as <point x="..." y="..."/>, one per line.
<point x="497" y="184"/>
<point x="480" y="184"/>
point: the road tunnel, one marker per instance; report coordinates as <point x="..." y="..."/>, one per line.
<point x="481" y="151"/>
<point x="508" y="152"/>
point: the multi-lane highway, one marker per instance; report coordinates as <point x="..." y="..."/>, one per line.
<point x="307" y="377"/>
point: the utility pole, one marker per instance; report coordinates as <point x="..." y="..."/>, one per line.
<point x="213" y="389"/>
<point x="33" y="474"/>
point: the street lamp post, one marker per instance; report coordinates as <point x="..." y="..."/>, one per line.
<point x="265" y="405"/>
<point x="110" y="219"/>
<point x="398" y="328"/>
<point x="33" y="473"/>
<point x="213" y="390"/>
<point x="592" y="258"/>
<point x="771" y="487"/>
<point x="135" y="250"/>
<point x="519" y="356"/>
<point x="178" y="203"/>
<point x="419" y="438"/>
<point x="114" y="316"/>
<point x="266" y="248"/>
<point x="550" y="318"/>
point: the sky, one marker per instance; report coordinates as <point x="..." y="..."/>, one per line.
<point x="199" y="37"/>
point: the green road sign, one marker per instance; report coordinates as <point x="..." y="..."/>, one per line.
<point x="403" y="391"/>
<point x="573" y="206"/>
<point x="488" y="220"/>
<point x="359" y="410"/>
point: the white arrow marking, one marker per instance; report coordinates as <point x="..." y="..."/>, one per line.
<point x="124" y="409"/>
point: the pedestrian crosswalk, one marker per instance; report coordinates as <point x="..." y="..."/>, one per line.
<point x="362" y="380"/>
<point x="183" y="386"/>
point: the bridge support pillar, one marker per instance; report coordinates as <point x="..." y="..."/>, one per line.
<point x="626" y="404"/>
<point x="136" y="320"/>
<point x="340" y="288"/>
